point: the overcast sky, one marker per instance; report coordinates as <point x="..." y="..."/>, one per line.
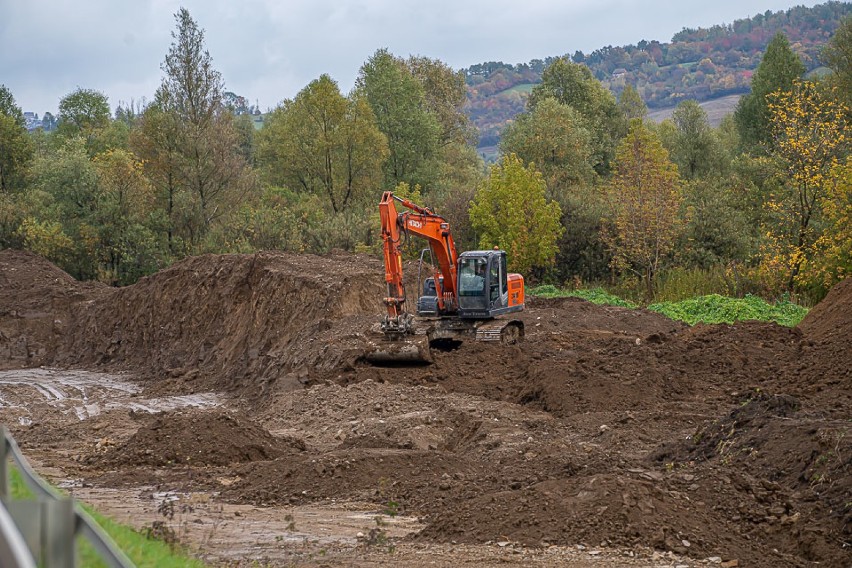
<point x="268" y="50"/>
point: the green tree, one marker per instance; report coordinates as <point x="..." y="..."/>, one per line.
<point x="553" y="136"/>
<point x="121" y="239"/>
<point x="717" y="232"/>
<point x="46" y="239"/>
<point x="446" y="94"/>
<point x="645" y="197"/>
<point x="16" y="151"/>
<point x="65" y="183"/>
<point x="403" y="115"/>
<point x="837" y="55"/>
<point x="631" y="104"/>
<point x="778" y="69"/>
<point x="8" y="106"/>
<point x="574" y="85"/>
<point x="83" y="111"/>
<point x="510" y="211"/>
<point x="692" y="144"/>
<point x="323" y="143"/>
<point x="208" y="159"/>
<point x="456" y="167"/>
<point x="156" y="139"/>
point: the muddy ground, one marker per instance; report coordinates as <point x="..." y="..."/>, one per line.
<point x="224" y="403"/>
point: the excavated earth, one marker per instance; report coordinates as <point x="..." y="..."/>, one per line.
<point x="609" y="437"/>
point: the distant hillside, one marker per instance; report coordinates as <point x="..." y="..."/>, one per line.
<point x="701" y="64"/>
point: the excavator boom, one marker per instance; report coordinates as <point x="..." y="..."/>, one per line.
<point x="423" y="222"/>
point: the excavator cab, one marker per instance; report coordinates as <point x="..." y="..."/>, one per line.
<point x="485" y="288"/>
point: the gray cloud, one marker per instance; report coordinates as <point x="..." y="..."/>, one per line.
<point x="268" y="50"/>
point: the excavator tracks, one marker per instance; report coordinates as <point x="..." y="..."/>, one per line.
<point x="415" y="348"/>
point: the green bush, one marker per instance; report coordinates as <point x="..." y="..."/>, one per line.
<point x="720" y="309"/>
<point x="711" y="308"/>
<point x="595" y="295"/>
<point x="676" y="284"/>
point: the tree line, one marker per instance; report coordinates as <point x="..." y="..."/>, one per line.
<point x="586" y="189"/>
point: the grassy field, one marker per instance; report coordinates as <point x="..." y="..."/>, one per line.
<point x="716" y="110"/>
<point x="712" y="308"/>
<point x="522" y="88"/>
<point x="144" y="552"/>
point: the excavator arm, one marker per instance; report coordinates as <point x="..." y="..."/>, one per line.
<point x="423" y="222"/>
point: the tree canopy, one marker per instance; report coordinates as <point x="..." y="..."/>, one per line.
<point x="778" y="69"/>
<point x="510" y="211"/>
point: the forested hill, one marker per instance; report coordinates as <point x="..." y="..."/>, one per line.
<point x="699" y="64"/>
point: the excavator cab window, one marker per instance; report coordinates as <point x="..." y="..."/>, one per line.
<point x="494" y="279"/>
<point x="504" y="282"/>
<point x="472" y="276"/>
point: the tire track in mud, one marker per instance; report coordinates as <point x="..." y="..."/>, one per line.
<point x="35" y="394"/>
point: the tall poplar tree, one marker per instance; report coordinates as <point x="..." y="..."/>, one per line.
<point x="402" y="111"/>
<point x="208" y="164"/>
<point x="323" y="143"/>
<point x="574" y="85"/>
<point x="778" y="69"/>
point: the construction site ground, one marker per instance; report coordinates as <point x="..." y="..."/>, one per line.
<point x="224" y="403"/>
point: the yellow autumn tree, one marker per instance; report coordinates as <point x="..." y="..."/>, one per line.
<point x="645" y="197"/>
<point x="510" y="211"/>
<point x="831" y="258"/>
<point x="809" y="136"/>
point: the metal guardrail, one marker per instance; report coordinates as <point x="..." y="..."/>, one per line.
<point x="43" y="531"/>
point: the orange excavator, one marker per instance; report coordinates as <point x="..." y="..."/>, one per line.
<point x="459" y="301"/>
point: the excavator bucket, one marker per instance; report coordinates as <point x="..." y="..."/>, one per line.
<point x="384" y="349"/>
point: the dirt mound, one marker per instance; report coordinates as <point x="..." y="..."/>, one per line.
<point x="780" y="467"/>
<point x="831" y="319"/>
<point x="37" y="301"/>
<point x="403" y="479"/>
<point x="717" y="438"/>
<point x="824" y="371"/>
<point x="196" y="438"/>
<point x="245" y="323"/>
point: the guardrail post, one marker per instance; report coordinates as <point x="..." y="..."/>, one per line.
<point x="14" y="551"/>
<point x="4" y="463"/>
<point x="57" y="537"/>
<point x="27" y="517"/>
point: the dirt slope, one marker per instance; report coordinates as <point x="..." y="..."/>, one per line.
<point x="37" y="302"/>
<point x="606" y="427"/>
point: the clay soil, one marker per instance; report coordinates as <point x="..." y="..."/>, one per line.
<point x="235" y="385"/>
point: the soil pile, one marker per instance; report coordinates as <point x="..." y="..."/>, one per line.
<point x="824" y="372"/>
<point x="831" y="319"/>
<point x="197" y="438"/>
<point x="784" y="471"/>
<point x="37" y="302"/>
<point x="246" y="323"/>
